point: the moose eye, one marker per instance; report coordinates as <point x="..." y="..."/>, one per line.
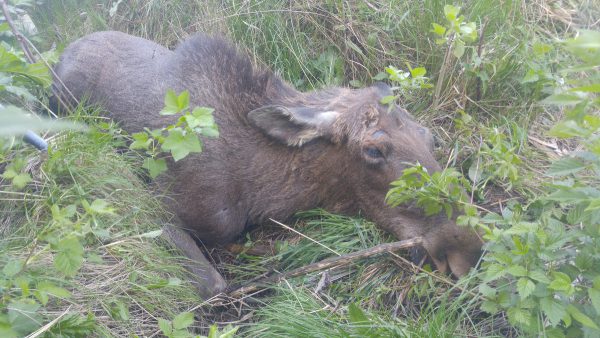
<point x="374" y="153"/>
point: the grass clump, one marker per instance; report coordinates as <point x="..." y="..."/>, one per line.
<point x="80" y="248"/>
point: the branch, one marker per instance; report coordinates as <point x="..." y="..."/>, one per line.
<point x="326" y="264"/>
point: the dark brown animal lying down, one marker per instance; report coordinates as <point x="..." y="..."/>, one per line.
<point x="279" y="150"/>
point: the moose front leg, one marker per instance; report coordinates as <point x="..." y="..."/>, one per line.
<point x="207" y="279"/>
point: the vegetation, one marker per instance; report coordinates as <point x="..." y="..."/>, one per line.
<point x="510" y="89"/>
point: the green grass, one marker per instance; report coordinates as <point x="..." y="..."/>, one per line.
<point x="125" y="274"/>
<point x="127" y="282"/>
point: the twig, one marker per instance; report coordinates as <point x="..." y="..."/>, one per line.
<point x="326" y="264"/>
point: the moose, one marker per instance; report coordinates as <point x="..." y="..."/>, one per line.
<point x="279" y="150"/>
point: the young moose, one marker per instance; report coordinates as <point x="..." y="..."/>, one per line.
<point x="279" y="150"/>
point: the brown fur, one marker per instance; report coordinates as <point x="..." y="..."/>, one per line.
<point x="279" y="150"/>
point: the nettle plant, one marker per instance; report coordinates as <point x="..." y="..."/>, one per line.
<point x="179" y="139"/>
<point x="404" y="83"/>
<point x="542" y="265"/>
<point x="456" y="32"/>
<point x="543" y="262"/>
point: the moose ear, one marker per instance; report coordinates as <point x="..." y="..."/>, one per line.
<point x="293" y="126"/>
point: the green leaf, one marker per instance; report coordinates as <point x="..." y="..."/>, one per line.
<point x="69" y="256"/>
<point x="387" y="99"/>
<point x="554" y="310"/>
<point x="171" y="103"/>
<point x="593" y="88"/>
<point x="595" y="298"/>
<point x="165" y="326"/>
<point x="183" y="320"/>
<point x="517" y="315"/>
<point x="530" y="76"/>
<point x="581" y="317"/>
<point x="23" y="316"/>
<point x="100" y="206"/>
<point x="418" y="72"/>
<point x="200" y="117"/>
<point x="21" y="180"/>
<point x="438" y="29"/>
<point x="525" y="287"/>
<point x="13" y="267"/>
<point x="459" y="49"/>
<point x="539" y="276"/>
<point x="562" y="99"/>
<point x="561" y="282"/>
<point x="180" y="144"/>
<point x="566" y="166"/>
<point x="566" y="129"/>
<point x="451" y="12"/>
<point x="517" y="271"/>
<point x="155" y="167"/>
<point x="140" y="141"/>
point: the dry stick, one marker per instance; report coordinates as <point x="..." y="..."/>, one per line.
<point x="326" y="264"/>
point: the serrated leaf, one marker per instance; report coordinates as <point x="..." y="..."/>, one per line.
<point x="171" y="104"/>
<point x="202" y="116"/>
<point x="539" y="276"/>
<point x="553" y="309"/>
<point x="489" y="307"/>
<point x="183" y="320"/>
<point x="165" y="326"/>
<point x="155" y="167"/>
<point x="595" y="298"/>
<point x="561" y="282"/>
<point x="581" y="317"/>
<point x="69" y="256"/>
<point x="565" y="166"/>
<point x="13" y="267"/>
<point x="494" y="271"/>
<point x="517" y="271"/>
<point x="180" y="144"/>
<point x="517" y="315"/>
<point x="525" y="287"/>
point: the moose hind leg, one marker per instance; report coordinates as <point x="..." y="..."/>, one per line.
<point x="208" y="280"/>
